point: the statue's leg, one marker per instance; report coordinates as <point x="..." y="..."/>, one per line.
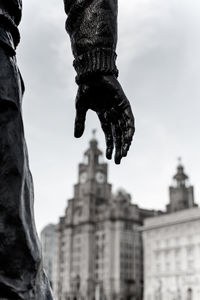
<point x="21" y="272"/>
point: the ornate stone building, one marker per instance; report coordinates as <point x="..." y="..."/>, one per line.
<point x="99" y="247"/>
<point x="172" y="247"/>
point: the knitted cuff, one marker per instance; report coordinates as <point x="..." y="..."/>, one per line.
<point x="97" y="61"/>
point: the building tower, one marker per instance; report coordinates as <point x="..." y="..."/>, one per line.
<point x="99" y="254"/>
<point x="76" y="230"/>
<point x="181" y="194"/>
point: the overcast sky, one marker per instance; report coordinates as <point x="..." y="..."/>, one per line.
<point x="158" y="57"/>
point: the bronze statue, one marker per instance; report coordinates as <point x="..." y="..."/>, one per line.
<point x="92" y="26"/>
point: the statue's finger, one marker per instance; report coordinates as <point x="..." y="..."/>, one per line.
<point x="81" y="110"/>
<point x="123" y="127"/>
<point x="107" y="129"/>
<point x="79" y="125"/>
<point x="128" y="144"/>
<point x="117" y="136"/>
<point x="130" y="129"/>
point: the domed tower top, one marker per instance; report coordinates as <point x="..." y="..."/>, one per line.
<point x="93" y="152"/>
<point x="181" y="195"/>
<point x="93" y="174"/>
<point x="93" y="169"/>
<point x="180" y="177"/>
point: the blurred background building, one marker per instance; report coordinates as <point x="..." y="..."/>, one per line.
<point x="98" y="240"/>
<point x="48" y="241"/>
<point x="171" y="244"/>
<point x="95" y="252"/>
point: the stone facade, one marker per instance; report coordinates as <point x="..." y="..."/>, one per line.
<point x="99" y="246"/>
<point x="172" y="256"/>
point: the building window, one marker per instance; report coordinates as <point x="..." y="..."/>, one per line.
<point x="189" y="294"/>
<point x="168" y="266"/>
<point x="178" y="265"/>
<point x="190" y="264"/>
<point x="190" y="250"/>
<point x="177" y="252"/>
<point x="158" y="244"/>
<point x="128" y="226"/>
<point x="158" y="268"/>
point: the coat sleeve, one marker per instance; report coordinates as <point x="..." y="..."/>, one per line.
<point x="92" y="26"/>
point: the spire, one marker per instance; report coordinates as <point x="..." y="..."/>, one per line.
<point x="179" y="160"/>
<point x="93" y="152"/>
<point x="180" y="177"/>
<point x="94" y="131"/>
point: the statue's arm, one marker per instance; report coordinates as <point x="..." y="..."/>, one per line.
<point x="92" y="26"/>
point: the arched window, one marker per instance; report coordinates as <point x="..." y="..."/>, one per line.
<point x="189" y="294"/>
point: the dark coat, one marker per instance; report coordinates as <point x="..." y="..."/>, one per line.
<point x="10" y="17"/>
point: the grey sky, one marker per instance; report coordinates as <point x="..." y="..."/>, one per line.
<point x="158" y="58"/>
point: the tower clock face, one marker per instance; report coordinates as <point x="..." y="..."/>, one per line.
<point x="100" y="177"/>
<point x="83" y="177"/>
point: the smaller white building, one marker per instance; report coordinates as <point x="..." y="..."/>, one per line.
<point x="172" y="256"/>
<point x="171" y="244"/>
<point x="48" y="241"/>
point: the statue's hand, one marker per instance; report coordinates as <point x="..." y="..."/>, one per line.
<point x="105" y="96"/>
